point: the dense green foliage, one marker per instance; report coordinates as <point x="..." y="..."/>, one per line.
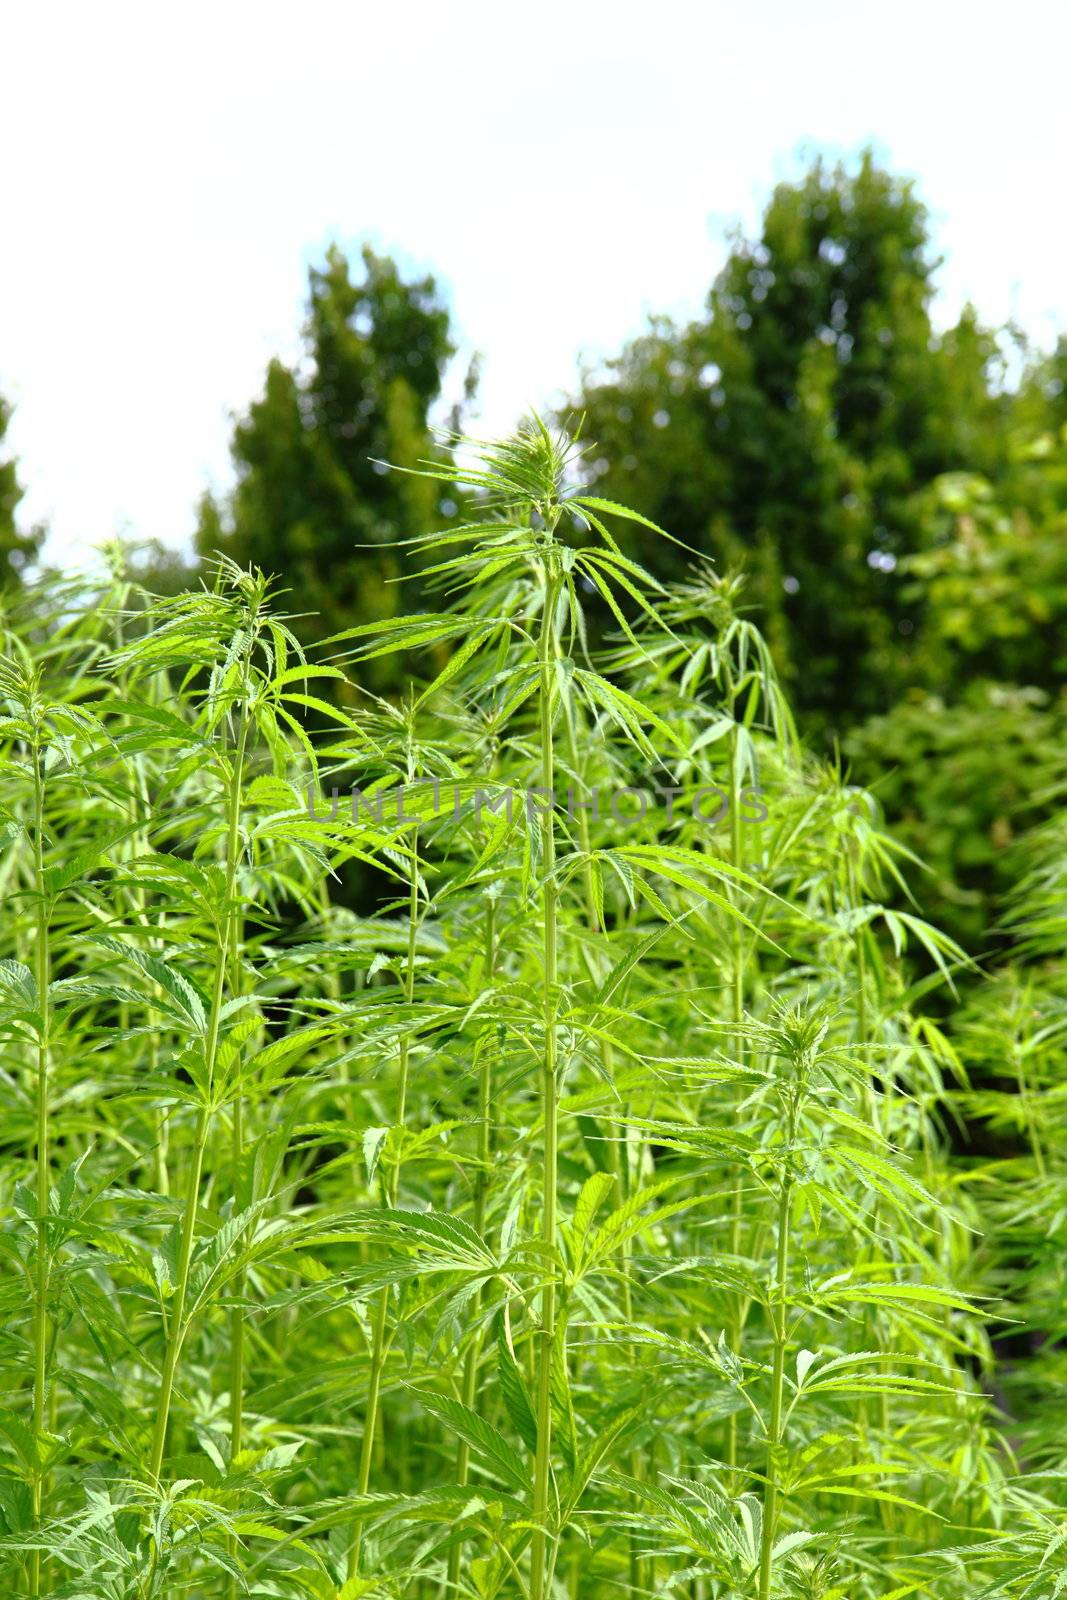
<point x="581" y="1223"/>
<point x="792" y="424"/>
<point x="967" y="757"/>
<point x="426" y="1195"/>
<point x="897" y="507"/>
<point x="899" y="511"/>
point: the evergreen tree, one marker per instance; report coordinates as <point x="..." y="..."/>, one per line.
<point x="313" y="503"/>
<point x="790" y="426"/>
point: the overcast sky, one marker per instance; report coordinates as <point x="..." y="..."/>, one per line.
<point x="171" y="171"/>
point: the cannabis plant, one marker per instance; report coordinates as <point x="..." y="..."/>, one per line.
<point x="508" y="1141"/>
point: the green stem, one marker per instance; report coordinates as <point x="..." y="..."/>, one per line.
<point x="379" y="1333"/>
<point x="141" y="843"/>
<point x="481" y="1192"/>
<point x="737" y="1010"/>
<point x="779" y="1300"/>
<point x="176" y="1328"/>
<point x="237" y="1334"/>
<point x="861" y="991"/>
<point x="870" y="1111"/>
<point x="549" y="1089"/>
<point x="618" y="1158"/>
<point x="176" y="1321"/>
<point x="234" y="929"/>
<point x="737" y="986"/>
<point x="237" y="1320"/>
<point x="41" y="1319"/>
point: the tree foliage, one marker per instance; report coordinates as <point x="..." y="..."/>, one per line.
<point x="790" y="426"/>
<point x="314" y="504"/>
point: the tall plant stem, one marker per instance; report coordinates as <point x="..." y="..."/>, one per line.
<point x="142" y="843"/>
<point x="618" y="1158"/>
<point x="234" y="931"/>
<point x="176" y="1321"/>
<point x="737" y="975"/>
<point x="380" y="1332"/>
<point x="481" y="1191"/>
<point x="871" y="1114"/>
<point x="737" y="1017"/>
<point x="549" y="1091"/>
<point x="779" y="1299"/>
<point x="860" y="954"/>
<point x="176" y="1328"/>
<point x="41" y="1318"/>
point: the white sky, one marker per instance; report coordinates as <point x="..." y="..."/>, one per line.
<point x="564" y="168"/>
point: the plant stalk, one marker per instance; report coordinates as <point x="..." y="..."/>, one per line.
<point x="737" y="1017"/>
<point x="549" y="1091"/>
<point x="234" y="928"/>
<point x="379" y="1335"/>
<point x="780" y="1334"/>
<point x="481" y="1192"/>
<point x="176" y="1328"/>
<point x="41" y="1321"/>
